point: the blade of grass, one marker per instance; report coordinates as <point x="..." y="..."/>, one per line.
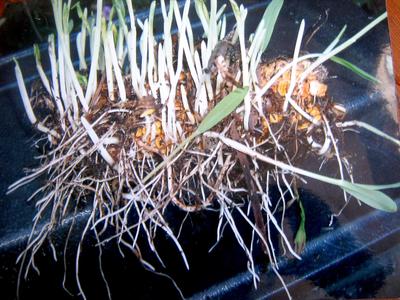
<point x="269" y="19"/>
<point x="365" y="193"/>
<point x="222" y="110"/>
<point x="375" y="199"/>
<point x="202" y="13"/>
<point x="342" y="46"/>
<point x="261" y="39"/>
<point x="379" y="187"/>
<point x="27" y="103"/>
<point x="39" y="68"/>
<point x="263" y="34"/>
<point x="301" y="236"/>
<point x="335" y="41"/>
<point x="360" y="72"/>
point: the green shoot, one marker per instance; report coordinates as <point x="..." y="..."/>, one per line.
<point x="39" y="68"/>
<point x="360" y="72"/>
<point x="335" y="41"/>
<point x="343" y="46"/>
<point x="202" y="12"/>
<point x="373" y="198"/>
<point x="266" y="27"/>
<point x="369" y="194"/>
<point x="221" y="110"/>
<point x="301" y="236"/>
<point x="82" y="79"/>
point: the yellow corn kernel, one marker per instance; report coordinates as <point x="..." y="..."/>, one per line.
<point x="283" y="87"/>
<point x="303" y="126"/>
<point x="159" y="131"/>
<point x="275" y="118"/>
<point x="314" y="111"/>
<point x="159" y="142"/>
<point x="141" y="131"/>
<point x="147" y="112"/>
<point x="158" y="124"/>
<point x="264" y="124"/>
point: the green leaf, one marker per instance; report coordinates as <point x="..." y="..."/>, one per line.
<point x="202" y="13"/>
<point x="222" y="109"/>
<point x="354" y="68"/>
<point x="301" y="237"/>
<point x="82" y="79"/>
<point x="235" y="8"/>
<point x="335" y="41"/>
<point x="201" y="10"/>
<point x="221" y="11"/>
<point x="36" y="52"/>
<point x="111" y="17"/>
<point x="365" y="193"/>
<point x="114" y="30"/>
<point x="70" y="26"/>
<point x="78" y="8"/>
<point x="379" y="186"/>
<point x="120" y="7"/>
<point x="375" y="199"/>
<point x="268" y="22"/>
<point x="372" y="129"/>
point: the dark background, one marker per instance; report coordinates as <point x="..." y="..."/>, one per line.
<point x="30" y="21"/>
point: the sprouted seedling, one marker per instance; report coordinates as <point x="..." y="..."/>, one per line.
<point x="193" y="123"/>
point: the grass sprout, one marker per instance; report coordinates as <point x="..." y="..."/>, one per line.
<point x="354" y="68"/>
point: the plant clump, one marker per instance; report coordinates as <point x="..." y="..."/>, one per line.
<point x="193" y="120"/>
